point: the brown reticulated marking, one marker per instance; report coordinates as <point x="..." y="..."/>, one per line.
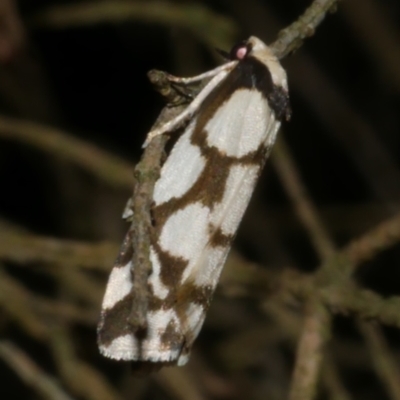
<point x="210" y="185"/>
<point x="249" y="74"/>
<point x="192" y="294"/>
<point x="218" y="238"/>
<point x="209" y="188"/>
<point x="189" y="292"/>
<point x="172" y="267"/>
<point x="180" y="295"/>
<point x="113" y="322"/>
<point x="171" y="338"/>
<point x="252" y="74"/>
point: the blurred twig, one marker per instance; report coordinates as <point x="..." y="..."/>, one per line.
<point x="25" y="248"/>
<point x="310" y="349"/>
<point x="339" y="298"/>
<point x="332" y="381"/>
<point x="316" y="329"/>
<point x="215" y="30"/>
<point x="378" y="33"/>
<point x="179" y="384"/>
<point x="12" y="34"/>
<point x="45" y="385"/>
<point x="101" y="164"/>
<point x="382" y="358"/>
<point x="383" y="236"/>
<point x="94" y="386"/>
<point x="287" y="171"/>
<point x="362" y="249"/>
<point x="292" y="37"/>
<point x="33" y="311"/>
<point x="358" y="138"/>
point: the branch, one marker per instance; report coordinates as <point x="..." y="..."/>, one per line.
<point x="12" y="33"/>
<point x="241" y="278"/>
<point x="25" y="248"/>
<point x="315" y="334"/>
<point x="101" y="164"/>
<point x="33" y="312"/>
<point x="362" y="303"/>
<point x="292" y="37"/>
<point x="213" y="29"/>
<point x="45" y="385"/>
<point x="378" y="239"/>
<point x="94" y="386"/>
<point x="382" y="358"/>
<point x="302" y="203"/>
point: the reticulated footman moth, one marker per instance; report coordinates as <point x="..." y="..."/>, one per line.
<point x="204" y="188"/>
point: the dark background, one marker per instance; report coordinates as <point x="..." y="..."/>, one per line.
<point x="88" y="79"/>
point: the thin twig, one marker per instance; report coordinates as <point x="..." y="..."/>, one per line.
<point x="315" y="334"/>
<point x="72" y="369"/>
<point x="364" y="248"/>
<point x="333" y="382"/>
<point x="33" y="311"/>
<point x="382" y="358"/>
<point x="12" y="35"/>
<point x="99" y="256"/>
<point x="101" y="164"/>
<point x="146" y="173"/>
<point x="19" y="306"/>
<point x="378" y="239"/>
<point x="179" y="384"/>
<point x="45" y="385"/>
<point x="215" y="30"/>
<point x="341" y="297"/>
<point x="317" y="322"/>
<point x="308" y="215"/>
<point x="375" y="163"/>
<point x="378" y="32"/>
<point x="363" y="303"/>
<point x="292" y="37"/>
<point x="26" y="248"/>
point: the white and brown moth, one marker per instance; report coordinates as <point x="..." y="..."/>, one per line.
<point x="199" y="199"/>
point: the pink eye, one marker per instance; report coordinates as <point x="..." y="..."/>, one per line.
<point x="241" y="53"/>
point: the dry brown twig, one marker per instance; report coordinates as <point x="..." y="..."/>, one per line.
<point x="12" y="34"/>
<point x="102" y="165"/>
<point x="43" y="384"/>
<point x="339" y="289"/>
<point x="213" y="29"/>
<point x="72" y="368"/>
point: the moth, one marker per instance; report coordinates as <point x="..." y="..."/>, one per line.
<point x="199" y="199"/>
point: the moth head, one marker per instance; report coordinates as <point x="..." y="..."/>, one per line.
<point x="249" y="47"/>
<point x="240" y="50"/>
<point x="259" y="50"/>
<point x="256" y="48"/>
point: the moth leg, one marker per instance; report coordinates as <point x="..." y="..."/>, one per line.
<point x="182" y="85"/>
<point x="128" y="212"/>
<point x="209" y="74"/>
<point x="193" y="106"/>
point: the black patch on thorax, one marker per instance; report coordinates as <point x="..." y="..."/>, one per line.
<point x="250" y="73"/>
